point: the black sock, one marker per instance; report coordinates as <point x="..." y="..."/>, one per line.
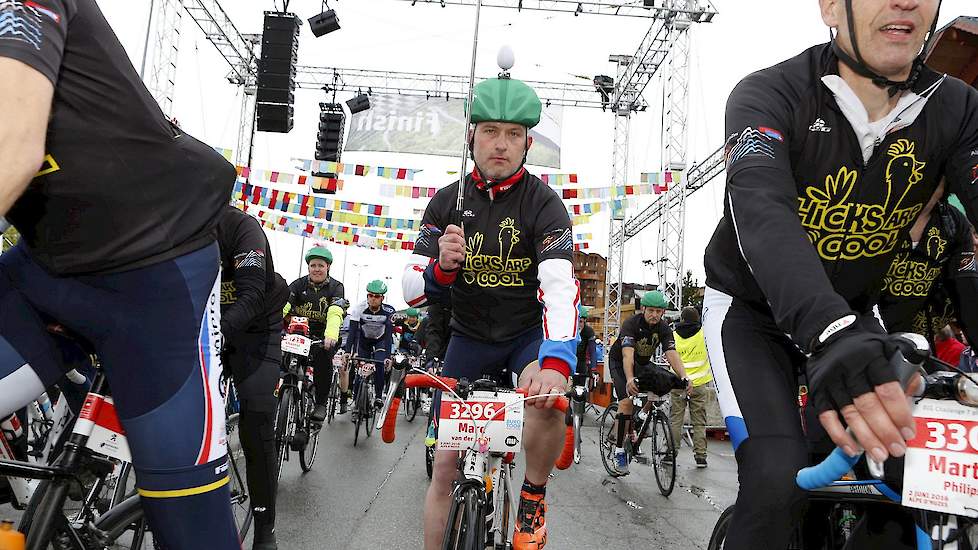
<point x="622" y="428"/>
<point x="534" y="489"/>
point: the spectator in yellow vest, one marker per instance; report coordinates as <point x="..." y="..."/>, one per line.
<point x="692" y="350"/>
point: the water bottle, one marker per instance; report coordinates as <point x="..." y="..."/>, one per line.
<point x="44" y="404"/>
<point x="13" y="432"/>
<point x="10" y="539"/>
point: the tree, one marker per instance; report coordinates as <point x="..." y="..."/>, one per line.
<point x="10" y="238"/>
<point x="692" y="295"/>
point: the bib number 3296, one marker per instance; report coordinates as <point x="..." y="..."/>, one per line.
<point x="941" y="466"/>
<point x="484" y="419"/>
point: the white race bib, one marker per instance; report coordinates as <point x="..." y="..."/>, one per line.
<point x="484" y="422"/>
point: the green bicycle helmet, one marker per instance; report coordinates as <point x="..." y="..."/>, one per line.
<point x="954" y="201"/>
<point x="505" y="100"/>
<point x="377" y="287"/>
<point x="654" y="298"/>
<point x="582" y="311"/>
<point x="412" y="312"/>
<point x="319" y="252"/>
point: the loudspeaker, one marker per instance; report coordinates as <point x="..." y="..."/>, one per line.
<point x="275" y="117"/>
<point x="329" y="139"/>
<point x="358" y="104"/>
<point x="324" y="23"/>
<point x="276" y="71"/>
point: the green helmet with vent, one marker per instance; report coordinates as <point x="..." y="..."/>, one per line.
<point x="320" y="252"/>
<point x="377" y="287"/>
<point x="505" y="100"/>
<point x="412" y="312"/>
<point x="654" y="298"/>
<point x="582" y="311"/>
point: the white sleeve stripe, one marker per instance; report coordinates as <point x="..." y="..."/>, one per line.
<point x="560" y="294"/>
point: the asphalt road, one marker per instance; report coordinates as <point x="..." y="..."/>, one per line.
<point x="371" y="496"/>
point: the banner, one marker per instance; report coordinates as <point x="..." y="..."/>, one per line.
<point x="409" y="124"/>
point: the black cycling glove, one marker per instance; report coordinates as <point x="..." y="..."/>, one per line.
<point x="851" y="363"/>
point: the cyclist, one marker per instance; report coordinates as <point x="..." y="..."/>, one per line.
<point x="513" y="294"/>
<point x="587" y="357"/>
<point x="639" y="338"/>
<point x="372" y="333"/>
<point x="691" y="346"/>
<point x="833" y="155"/>
<point x="933" y="276"/>
<point x="335" y="336"/>
<point x="252" y="297"/>
<point x="409" y="329"/>
<point x="116" y="208"/>
<point x="310" y="296"/>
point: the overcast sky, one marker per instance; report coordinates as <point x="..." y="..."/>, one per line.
<point x="393" y="35"/>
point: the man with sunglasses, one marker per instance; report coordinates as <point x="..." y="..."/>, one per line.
<point x="372" y="333"/>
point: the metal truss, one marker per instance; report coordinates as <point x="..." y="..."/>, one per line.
<point x="237" y="49"/>
<point x="619" y="175"/>
<point x="675" y="101"/>
<point x="435" y="85"/>
<point x="634" y="8"/>
<point x="161" y="77"/>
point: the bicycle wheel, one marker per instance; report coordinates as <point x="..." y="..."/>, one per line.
<point x="412" y="404"/>
<point x="361" y="409"/>
<point x="333" y="397"/>
<point x="466" y="522"/>
<point x="283" y="419"/>
<point x="308" y="453"/>
<point x="606" y="437"/>
<point x="663" y="448"/>
<point x="371" y="412"/>
<point x="240" y="502"/>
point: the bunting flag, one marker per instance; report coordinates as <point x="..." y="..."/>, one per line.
<point x="581" y="220"/>
<point x="277" y="217"/>
<point x="580" y="237"/>
<point x="661" y="181"/>
<point x="330" y="185"/>
<point x="596" y="207"/>
<point x="228" y="154"/>
<point x="326" y="166"/>
<point x="304" y="204"/>
<point x="581" y="246"/>
<point x="407" y="191"/>
<point x="319" y="207"/>
<point x="317" y="231"/>
<point x="555" y="180"/>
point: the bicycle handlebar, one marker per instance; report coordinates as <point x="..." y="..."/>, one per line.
<point x="939" y="385"/>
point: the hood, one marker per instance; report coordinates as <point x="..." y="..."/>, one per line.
<point x="687" y="330"/>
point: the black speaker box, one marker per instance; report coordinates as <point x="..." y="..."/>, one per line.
<point x="275" y="95"/>
<point x="275" y="117"/>
<point x="324" y="23"/>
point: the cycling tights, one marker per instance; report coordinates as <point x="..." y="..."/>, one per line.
<point x="254" y="365"/>
<point x="155" y="329"/>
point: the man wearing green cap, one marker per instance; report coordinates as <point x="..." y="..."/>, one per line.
<point x="408" y="326"/>
<point x="311" y="296"/>
<point x="506" y="260"/>
<point x="933" y="279"/>
<point x="640" y="337"/>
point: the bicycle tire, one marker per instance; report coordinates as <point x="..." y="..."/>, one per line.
<point x="360" y="408"/>
<point x="606" y="424"/>
<point x="333" y="397"/>
<point x="413" y="403"/>
<point x="308" y="453"/>
<point x="665" y="472"/>
<point x="466" y="522"/>
<point x="720" y="529"/>
<point x="578" y="422"/>
<point x="282" y="421"/>
<point x="238" y="489"/>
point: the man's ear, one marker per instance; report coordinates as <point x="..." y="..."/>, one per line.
<point x="832" y="12"/>
<point x="529" y="141"/>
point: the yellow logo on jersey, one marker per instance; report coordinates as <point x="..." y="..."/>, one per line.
<point x="908" y="277"/>
<point x="499" y="270"/>
<point x="228" y="293"/>
<point x="49" y="165"/>
<point x="841" y="229"/>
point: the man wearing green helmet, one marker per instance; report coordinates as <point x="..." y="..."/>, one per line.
<point x="408" y="326"/>
<point x="311" y="296"/>
<point x="640" y="337"/>
<point x="933" y="279"/>
<point x="372" y="332"/>
<point x="511" y="280"/>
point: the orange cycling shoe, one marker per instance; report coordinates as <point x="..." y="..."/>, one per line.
<point x="531" y="526"/>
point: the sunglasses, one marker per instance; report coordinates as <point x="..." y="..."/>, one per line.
<point x="372" y="295"/>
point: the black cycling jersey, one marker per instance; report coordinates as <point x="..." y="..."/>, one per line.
<point x="926" y="282"/>
<point x="584" y="348"/>
<point x="311" y="300"/>
<point x="794" y="157"/>
<point x="252" y="293"/>
<point x="508" y="235"/>
<point x="120" y="187"/>
<point x="644" y="338"/>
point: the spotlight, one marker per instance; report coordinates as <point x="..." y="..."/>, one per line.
<point x="358" y="104"/>
<point x="324" y="23"/>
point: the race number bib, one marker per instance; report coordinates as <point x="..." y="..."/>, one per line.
<point x="487" y="422"/>
<point x="107" y="437"/>
<point x="296" y="344"/>
<point x="941" y="468"/>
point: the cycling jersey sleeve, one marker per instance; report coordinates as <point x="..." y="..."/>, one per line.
<point x="334" y="319"/>
<point x="249" y="249"/>
<point x="628" y="334"/>
<point x="761" y="203"/>
<point x="388" y="340"/>
<point x="34" y="33"/>
<point x="559" y="291"/>
<point x="962" y="168"/>
<point x="962" y="275"/>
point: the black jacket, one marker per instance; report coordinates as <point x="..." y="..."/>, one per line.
<point x="935" y="282"/>
<point x="313" y="301"/>
<point x="809" y="228"/>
